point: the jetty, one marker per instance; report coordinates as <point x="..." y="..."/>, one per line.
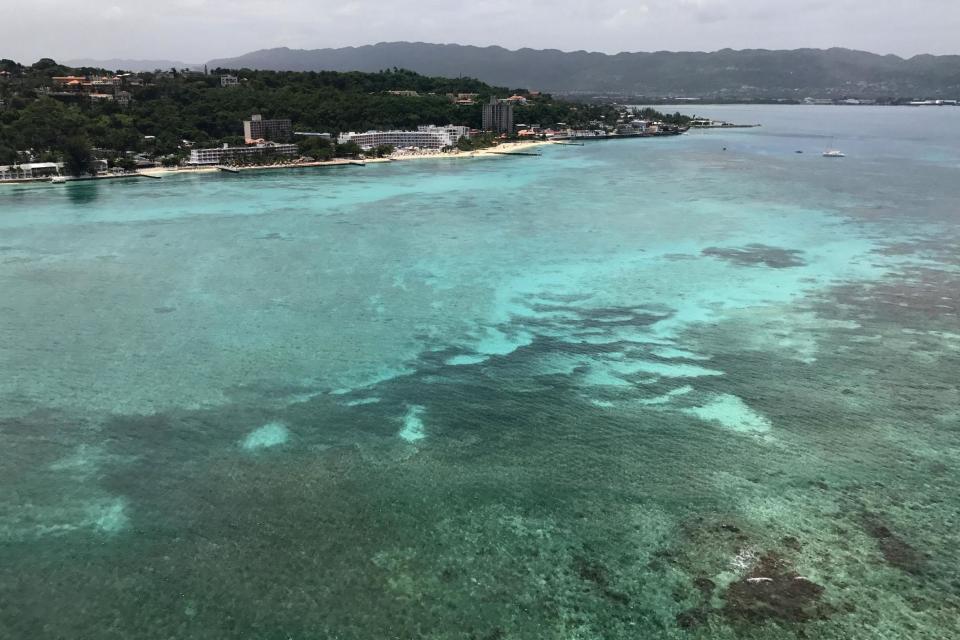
<point x="706" y="123"/>
<point x="515" y="153"/>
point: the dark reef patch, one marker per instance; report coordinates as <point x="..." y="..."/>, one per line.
<point x="705" y="585"/>
<point x="896" y="551"/>
<point x="596" y="573"/>
<point x="774" y="591"/>
<point x="591" y="571"/>
<point x="692" y="618"/>
<point x="757" y="254"/>
<point x="274" y="236"/>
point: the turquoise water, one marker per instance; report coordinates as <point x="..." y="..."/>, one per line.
<point x="701" y="387"/>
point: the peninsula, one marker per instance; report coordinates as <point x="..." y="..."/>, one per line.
<point x="60" y="121"/>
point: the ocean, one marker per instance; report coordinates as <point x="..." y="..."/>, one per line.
<point x="691" y="387"/>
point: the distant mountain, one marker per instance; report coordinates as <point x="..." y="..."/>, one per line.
<point x="727" y="73"/>
<point x="114" y="64"/>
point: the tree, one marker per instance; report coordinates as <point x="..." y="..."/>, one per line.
<point x="77" y="157"/>
<point x="127" y="164"/>
<point x="381" y="151"/>
<point x="45" y="64"/>
<point x="8" y="155"/>
<point x="316" y="147"/>
<point x="348" y="150"/>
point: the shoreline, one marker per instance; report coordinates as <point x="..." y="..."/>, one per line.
<point x="504" y="148"/>
<point x="501" y="150"/>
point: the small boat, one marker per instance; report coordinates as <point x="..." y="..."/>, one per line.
<point x="58" y="179"/>
<point x="833" y="153"/>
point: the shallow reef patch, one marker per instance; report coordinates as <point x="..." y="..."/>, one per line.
<point x="730" y="412"/>
<point x="757" y="255"/>
<point x="269" y="435"/>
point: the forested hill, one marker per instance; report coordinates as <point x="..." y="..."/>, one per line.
<point x="728" y="74"/>
<point x="172" y="107"/>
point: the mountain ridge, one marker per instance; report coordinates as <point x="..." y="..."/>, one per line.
<point x="730" y="73"/>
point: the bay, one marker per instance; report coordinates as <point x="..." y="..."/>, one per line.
<point x="702" y="386"/>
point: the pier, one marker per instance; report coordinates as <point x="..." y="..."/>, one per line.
<point x="514" y="153"/>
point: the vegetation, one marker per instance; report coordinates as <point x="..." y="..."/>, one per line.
<point x="381" y="151"/>
<point x="174" y="107"/>
<point x="316" y="147"/>
<point x="476" y="142"/>
<point x="649" y="113"/>
<point x="77" y="157"/>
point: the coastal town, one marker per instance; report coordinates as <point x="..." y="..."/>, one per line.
<point x="478" y="121"/>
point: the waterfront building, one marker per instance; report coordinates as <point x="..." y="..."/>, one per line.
<point x="229" y="155"/>
<point x="30" y="170"/>
<point x="229" y="81"/>
<point x="44" y="170"/>
<point x="498" y="116"/>
<point x="634" y="127"/>
<point x="425" y="137"/>
<point x="256" y="128"/>
<point x="455" y="131"/>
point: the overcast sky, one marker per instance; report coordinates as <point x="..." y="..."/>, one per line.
<point x="198" y="30"/>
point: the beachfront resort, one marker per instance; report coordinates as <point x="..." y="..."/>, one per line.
<point x="64" y="124"/>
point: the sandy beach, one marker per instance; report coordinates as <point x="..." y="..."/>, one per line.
<point x="504" y="148"/>
<point x="491" y="152"/>
<point x="161" y="171"/>
<point x="497" y="151"/>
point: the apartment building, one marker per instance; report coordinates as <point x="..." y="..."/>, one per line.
<point x="498" y="116"/>
<point x="256" y="128"/>
<point x="230" y="155"/>
<point x="425" y="137"/>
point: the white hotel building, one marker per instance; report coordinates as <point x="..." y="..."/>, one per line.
<point x="425" y="137"/>
<point x="228" y="155"/>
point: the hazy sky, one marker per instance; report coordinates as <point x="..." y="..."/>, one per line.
<point x="198" y="30"/>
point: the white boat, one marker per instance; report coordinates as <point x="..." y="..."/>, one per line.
<point x="58" y="179"/>
<point x="833" y="153"/>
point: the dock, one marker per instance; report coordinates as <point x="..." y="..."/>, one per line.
<point x="147" y="175"/>
<point x="515" y="153"/>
